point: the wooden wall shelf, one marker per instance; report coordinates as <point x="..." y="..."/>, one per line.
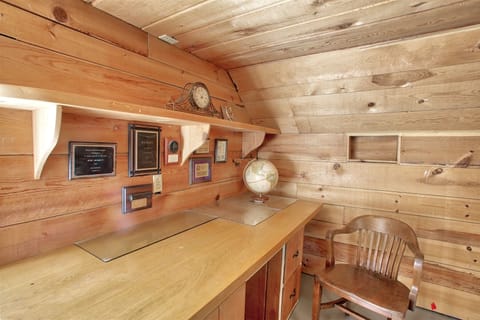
<point x="373" y="148"/>
<point x="47" y="106"/>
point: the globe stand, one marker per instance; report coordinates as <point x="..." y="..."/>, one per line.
<point x="259" y="198"/>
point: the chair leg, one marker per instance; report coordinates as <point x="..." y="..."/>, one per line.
<point x="316" y="299"/>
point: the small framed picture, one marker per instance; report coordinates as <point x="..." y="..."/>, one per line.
<point x="91" y="159"/>
<point x="200" y="170"/>
<point x="143" y="150"/>
<point x="221" y="149"/>
<point x="204" y="148"/>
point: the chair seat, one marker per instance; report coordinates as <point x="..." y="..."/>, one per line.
<point x="385" y="296"/>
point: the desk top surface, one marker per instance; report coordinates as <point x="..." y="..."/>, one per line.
<point x="182" y="277"/>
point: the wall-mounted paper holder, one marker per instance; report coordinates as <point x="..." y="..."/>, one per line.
<point x="136" y="197"/>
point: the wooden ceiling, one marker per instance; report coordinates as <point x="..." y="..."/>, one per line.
<point x="237" y="33"/>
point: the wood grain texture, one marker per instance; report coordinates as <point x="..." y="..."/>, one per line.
<point x="33" y="211"/>
<point x="432" y="273"/>
<point x="51" y="71"/>
<point x="15" y="132"/>
<point x="173" y="56"/>
<point x="266" y="23"/>
<point x="454" y="96"/>
<point x="447" y="223"/>
<point x="454" y="182"/>
<point x="455" y="47"/>
<point x="450" y="293"/>
<point x="146" y="12"/>
<point x="256" y="295"/>
<point x="451" y="301"/>
<point x="234" y="306"/>
<point x="82" y="17"/>
<point x="423" y="83"/>
<point x="186" y="24"/>
<point x="373" y="148"/>
<point x="183" y="277"/>
<point x="212" y="316"/>
<point x="448" y="208"/>
<point x="236" y="35"/>
<point x="299" y="147"/>
<point x="274" y="285"/>
<point x="86" y="85"/>
<point x="381" y="81"/>
<point x="443" y="120"/>
<point x="319" y="37"/>
<point x="82" y="46"/>
<point x="23" y="240"/>
<point x="439" y="150"/>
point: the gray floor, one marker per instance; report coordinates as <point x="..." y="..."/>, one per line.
<point x="303" y="310"/>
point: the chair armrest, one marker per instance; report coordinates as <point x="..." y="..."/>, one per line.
<point x="330" y="262"/>
<point x="417" y="277"/>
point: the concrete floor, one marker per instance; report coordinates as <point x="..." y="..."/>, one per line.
<point x="303" y="310"/>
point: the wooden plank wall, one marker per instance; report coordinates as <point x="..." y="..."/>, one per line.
<point x="40" y="215"/>
<point x="413" y="107"/>
<point x="79" y="50"/>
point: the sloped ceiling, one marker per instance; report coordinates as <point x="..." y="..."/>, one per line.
<point x="332" y="66"/>
<point x="236" y="33"/>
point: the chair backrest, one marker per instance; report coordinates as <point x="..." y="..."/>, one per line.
<point x="381" y="243"/>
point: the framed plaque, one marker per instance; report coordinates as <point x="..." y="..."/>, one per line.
<point x="91" y="159"/>
<point x="221" y="150"/>
<point x="172" y="151"/>
<point x="204" y="148"/>
<point x="200" y="170"/>
<point x="143" y="150"/>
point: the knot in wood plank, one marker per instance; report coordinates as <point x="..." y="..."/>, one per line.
<point x="60" y="14"/>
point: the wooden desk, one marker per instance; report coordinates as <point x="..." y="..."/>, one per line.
<point x="183" y="277"/>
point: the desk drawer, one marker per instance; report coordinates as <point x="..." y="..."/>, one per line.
<point x="291" y="293"/>
<point x="293" y="254"/>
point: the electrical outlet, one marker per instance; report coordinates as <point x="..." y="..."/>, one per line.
<point x="157" y="183"/>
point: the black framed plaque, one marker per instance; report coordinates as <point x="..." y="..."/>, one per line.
<point x="91" y="159"/>
<point x="143" y="150"/>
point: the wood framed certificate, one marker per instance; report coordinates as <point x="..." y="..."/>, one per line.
<point x="143" y="150"/>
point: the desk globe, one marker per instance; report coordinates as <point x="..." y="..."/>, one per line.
<point x="260" y="177"/>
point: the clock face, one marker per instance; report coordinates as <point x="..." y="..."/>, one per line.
<point x="200" y="96"/>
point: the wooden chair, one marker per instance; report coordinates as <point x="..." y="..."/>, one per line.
<point x="371" y="281"/>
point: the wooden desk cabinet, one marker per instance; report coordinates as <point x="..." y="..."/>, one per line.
<point x="273" y="291"/>
<point x="292" y="275"/>
<point x="215" y="260"/>
<point x="233" y="308"/>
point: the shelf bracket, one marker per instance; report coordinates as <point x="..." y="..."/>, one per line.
<point x="193" y="136"/>
<point x="251" y="141"/>
<point x="46" y="129"/>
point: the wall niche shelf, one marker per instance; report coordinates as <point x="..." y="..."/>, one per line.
<point x="373" y="148"/>
<point x="47" y="107"/>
